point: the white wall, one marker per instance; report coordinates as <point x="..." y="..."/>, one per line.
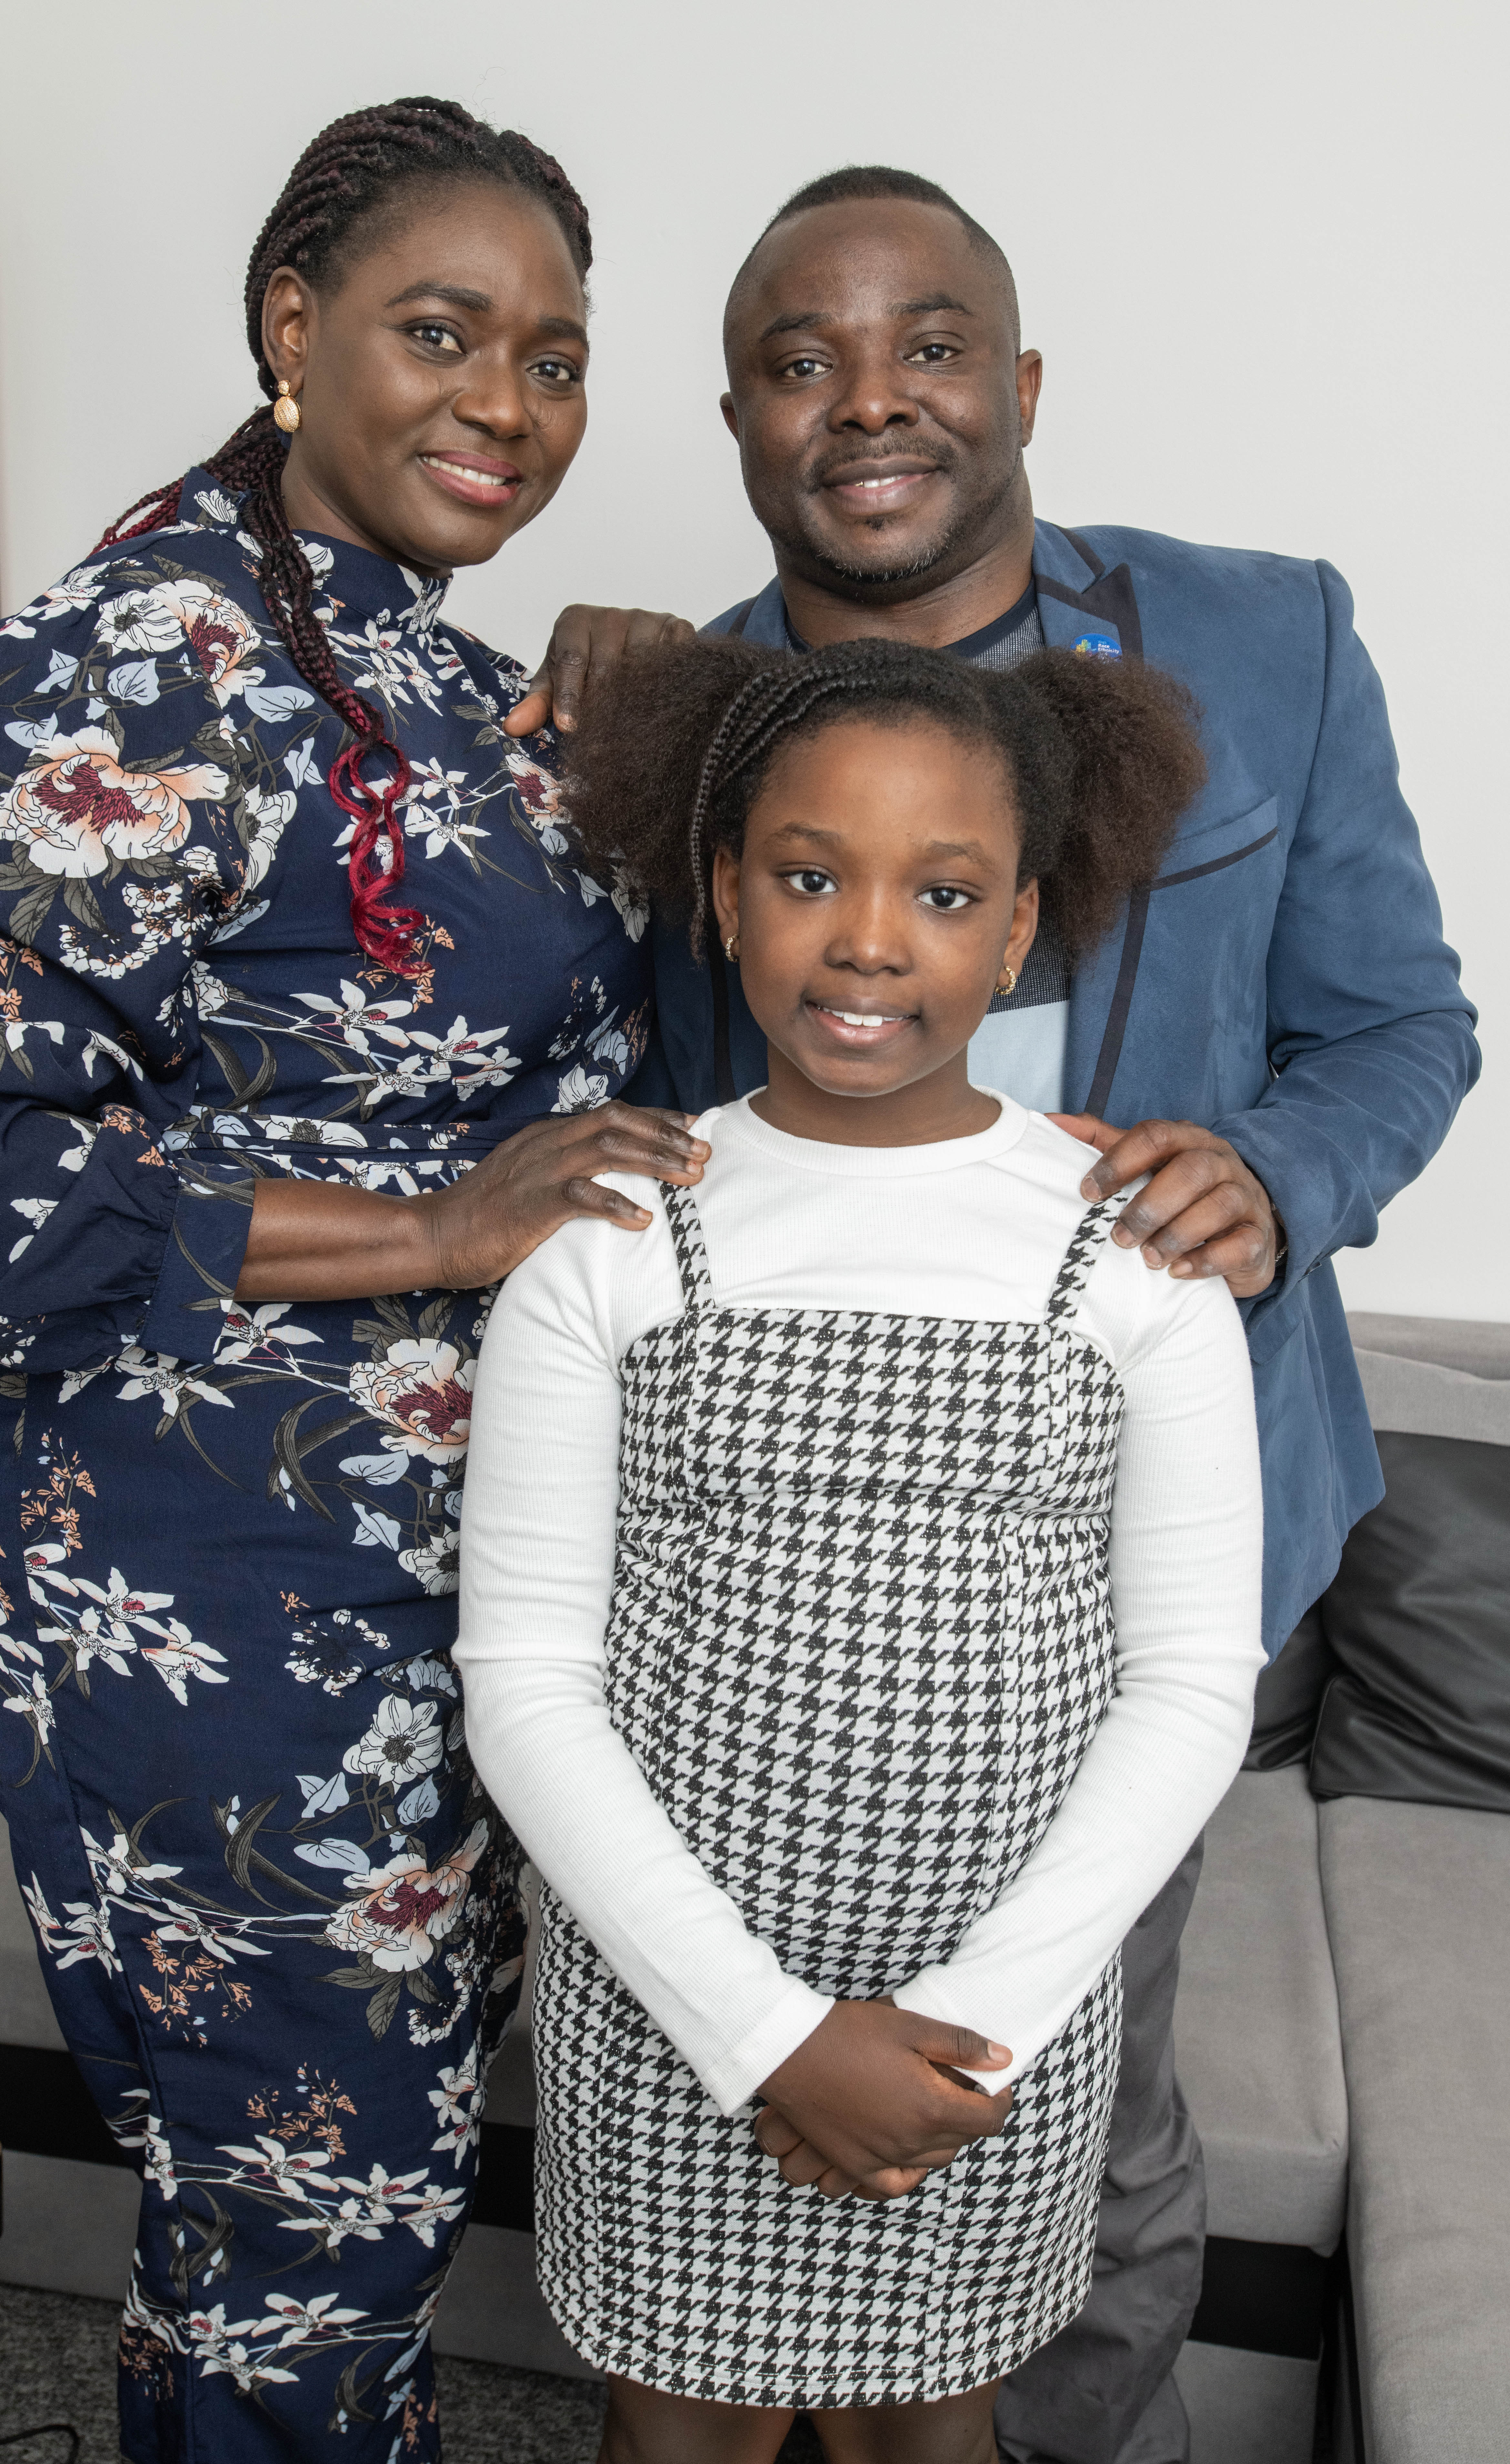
<point x="1260" y="248"/>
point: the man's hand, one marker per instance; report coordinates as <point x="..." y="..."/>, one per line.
<point x="584" y="641"/>
<point x="873" y="2099"/>
<point x="1203" y="1213"/>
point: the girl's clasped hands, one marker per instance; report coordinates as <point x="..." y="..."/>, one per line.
<point x="875" y="2098"/>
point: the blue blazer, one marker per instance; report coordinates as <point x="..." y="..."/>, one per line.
<point x="1283" y="981"/>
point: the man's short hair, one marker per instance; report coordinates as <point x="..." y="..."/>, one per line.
<point x="882" y="180"/>
<point x="864" y="180"/>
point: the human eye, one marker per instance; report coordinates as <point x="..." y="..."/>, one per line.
<point x="946" y="898"/>
<point x="810" y="881"/>
<point x="438" y="338"/>
<point x="555" y="372"/>
<point x="803" y="368"/>
<point x="933" y="355"/>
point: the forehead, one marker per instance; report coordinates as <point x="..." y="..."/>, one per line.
<point x="478" y="235"/>
<point x="863" y="261"/>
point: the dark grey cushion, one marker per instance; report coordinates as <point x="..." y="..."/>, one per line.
<point x="1288" y="1701"/>
<point x="1419" y="1621"/>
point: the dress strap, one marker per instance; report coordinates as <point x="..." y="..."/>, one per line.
<point x="691" y="1256"/>
<point x="1091" y="1234"/>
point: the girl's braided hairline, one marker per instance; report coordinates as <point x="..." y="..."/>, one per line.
<point x="761" y="712"/>
<point x="342" y="180"/>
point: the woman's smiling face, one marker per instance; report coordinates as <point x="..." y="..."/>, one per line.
<point x="876" y="900"/>
<point x="441" y="377"/>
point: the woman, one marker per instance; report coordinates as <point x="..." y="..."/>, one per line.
<point x="273" y="1133"/>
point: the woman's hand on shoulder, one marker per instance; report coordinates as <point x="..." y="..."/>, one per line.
<point x="487" y="1223"/>
<point x="874" y="2099"/>
<point x="311" y="1241"/>
<point x="584" y="641"/>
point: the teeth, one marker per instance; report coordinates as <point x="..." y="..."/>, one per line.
<point x="866" y="1017"/>
<point x="464" y="471"/>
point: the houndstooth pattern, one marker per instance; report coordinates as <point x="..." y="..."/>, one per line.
<point x="861" y="1637"/>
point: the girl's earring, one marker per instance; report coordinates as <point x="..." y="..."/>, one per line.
<point x="1007" y="981"/>
<point x="731" y="948"/>
<point x="286" y="410"/>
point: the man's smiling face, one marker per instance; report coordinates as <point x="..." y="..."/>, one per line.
<point x="878" y="395"/>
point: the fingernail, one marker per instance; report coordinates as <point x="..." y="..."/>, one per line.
<point x="1123" y="1239"/>
<point x="1000" y="2055"/>
<point x="1090" y="1187"/>
<point x="1182" y="1266"/>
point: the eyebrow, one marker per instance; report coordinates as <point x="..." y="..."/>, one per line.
<point x="806" y="321"/>
<point x="479" y="302"/>
<point x="936" y="849"/>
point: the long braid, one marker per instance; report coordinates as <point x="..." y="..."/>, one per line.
<point x="763" y="709"/>
<point x="354" y="167"/>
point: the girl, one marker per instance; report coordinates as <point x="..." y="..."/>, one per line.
<point x="860" y="1578"/>
<point x="249" y="1061"/>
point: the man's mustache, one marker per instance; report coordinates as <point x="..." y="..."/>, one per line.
<point x="856" y="460"/>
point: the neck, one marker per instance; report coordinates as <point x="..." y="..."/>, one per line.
<point x="943" y="1105"/>
<point x="929" y="609"/>
<point x="309" y="509"/>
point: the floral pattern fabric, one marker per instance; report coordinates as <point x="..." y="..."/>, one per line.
<point x="277" y="1915"/>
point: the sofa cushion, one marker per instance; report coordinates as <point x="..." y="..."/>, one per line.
<point x="1287" y="1700"/>
<point x="1417" y="1623"/>
<point x="1417" y="1900"/>
<point x="1256" y="2033"/>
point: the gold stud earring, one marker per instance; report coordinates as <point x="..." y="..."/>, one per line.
<point x="286" y="410"/>
<point x="731" y="948"/>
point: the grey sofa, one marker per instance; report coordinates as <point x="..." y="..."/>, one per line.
<point x="1342" y="2028"/>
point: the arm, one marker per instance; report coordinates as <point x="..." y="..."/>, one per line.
<point x="121" y="801"/>
<point x="1369" y="1033"/>
<point x="538" y="1556"/>
<point x="1186" y="1556"/>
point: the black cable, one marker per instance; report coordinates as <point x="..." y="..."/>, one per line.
<point x="14" y="2438"/>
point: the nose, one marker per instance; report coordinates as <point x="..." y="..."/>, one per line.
<point x="869" y="938"/>
<point x="495" y="400"/>
<point x="874" y="396"/>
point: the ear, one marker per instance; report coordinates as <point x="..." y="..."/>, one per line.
<point x="1030" y="378"/>
<point x="726" y="404"/>
<point x="726" y="891"/>
<point x="1024" y="926"/>
<point x="287" y="318"/>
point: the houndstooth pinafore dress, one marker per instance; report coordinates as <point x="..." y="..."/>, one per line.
<point x="861" y="1637"/>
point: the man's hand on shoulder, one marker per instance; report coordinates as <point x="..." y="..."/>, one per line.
<point x="1203" y="1212"/>
<point x="583" y="642"/>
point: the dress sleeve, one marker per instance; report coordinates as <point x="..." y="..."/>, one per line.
<point x="538" y="1525"/>
<point x="127" y="824"/>
<point x="1186" y="1565"/>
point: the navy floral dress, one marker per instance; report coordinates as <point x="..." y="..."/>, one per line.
<point x="277" y="1917"/>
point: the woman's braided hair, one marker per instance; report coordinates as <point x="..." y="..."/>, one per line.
<point x="1099" y="757"/>
<point x="354" y="173"/>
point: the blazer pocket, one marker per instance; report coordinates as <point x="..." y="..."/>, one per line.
<point x="1217" y="845"/>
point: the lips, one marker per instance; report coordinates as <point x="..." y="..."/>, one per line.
<point x="858" y="1030"/>
<point x="885" y="484"/>
<point x="474" y="478"/>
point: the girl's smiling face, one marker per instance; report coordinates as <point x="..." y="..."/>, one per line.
<point x="876" y="902"/>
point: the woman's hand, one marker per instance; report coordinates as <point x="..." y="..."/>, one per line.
<point x="585" y="639"/>
<point x="873" y="2099"/>
<point x="310" y="1241"/>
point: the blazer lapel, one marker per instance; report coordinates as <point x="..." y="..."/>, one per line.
<point x="1083" y="606"/>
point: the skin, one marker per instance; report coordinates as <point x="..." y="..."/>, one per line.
<point x="455" y="340"/>
<point x="878" y="878"/>
<point x="832" y="375"/>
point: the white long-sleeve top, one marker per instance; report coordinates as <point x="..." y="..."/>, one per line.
<point x="973" y="1227"/>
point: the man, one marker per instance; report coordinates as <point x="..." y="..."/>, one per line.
<point x="1277" y="1013"/>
